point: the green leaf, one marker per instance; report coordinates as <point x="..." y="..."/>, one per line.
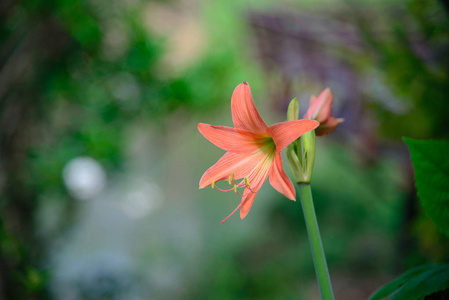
<point x="432" y="281"/>
<point x="431" y="162"/>
<point x="395" y="284"/>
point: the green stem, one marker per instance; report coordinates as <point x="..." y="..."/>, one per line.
<point x="319" y="259"/>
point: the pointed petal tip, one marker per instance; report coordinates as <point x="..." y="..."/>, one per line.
<point x="203" y="182"/>
<point x="327" y="92"/>
<point x="246" y="204"/>
<point x="244" y="112"/>
<point x="244" y="84"/>
<point x="327" y="99"/>
<point x="201" y="126"/>
<point x="327" y="127"/>
<point x="289" y="195"/>
<point x="285" y="133"/>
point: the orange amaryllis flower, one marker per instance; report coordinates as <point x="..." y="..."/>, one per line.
<point x="253" y="150"/>
<point x="321" y="110"/>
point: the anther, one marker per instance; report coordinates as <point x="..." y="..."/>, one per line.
<point x="235" y="188"/>
<point x="213" y="183"/>
<point x="229" y="180"/>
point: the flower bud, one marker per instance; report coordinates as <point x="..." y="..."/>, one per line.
<point x="293" y="110"/>
<point x="321" y="110"/>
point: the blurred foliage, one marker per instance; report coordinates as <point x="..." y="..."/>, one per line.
<point x="75" y="76"/>
<point x="412" y="51"/>
<point x="410" y="46"/>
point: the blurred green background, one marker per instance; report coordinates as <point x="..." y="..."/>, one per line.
<point x="100" y="157"/>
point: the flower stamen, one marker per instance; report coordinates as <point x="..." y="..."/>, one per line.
<point x="243" y="184"/>
<point x="222" y="190"/>
<point x="232" y="212"/>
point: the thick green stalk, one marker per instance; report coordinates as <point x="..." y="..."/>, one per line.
<point x="319" y="259"/>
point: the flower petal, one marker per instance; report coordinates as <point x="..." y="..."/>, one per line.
<point x="256" y="179"/>
<point x="244" y="112"/>
<point x="320" y="107"/>
<point x="231" y="139"/>
<point x="240" y="164"/>
<point x="286" y="133"/>
<point x="279" y="180"/>
<point x="327" y="127"/>
<point x="247" y="202"/>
